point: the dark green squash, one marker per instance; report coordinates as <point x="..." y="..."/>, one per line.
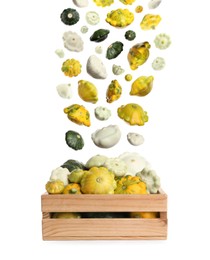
<point x="130" y="35"/>
<point x="104" y="215"/>
<point x="99" y="35"/>
<point x="69" y="16"/>
<point x="73" y="165"/>
<point x="114" y="50"/>
<point x="74" y="140"/>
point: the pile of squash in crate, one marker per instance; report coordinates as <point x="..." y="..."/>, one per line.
<point x="129" y="173"/>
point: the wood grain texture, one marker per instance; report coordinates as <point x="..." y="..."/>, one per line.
<point x="65" y="229"/>
<point x="103" y="229"/>
<point x="103" y="238"/>
<point x="103" y="203"/>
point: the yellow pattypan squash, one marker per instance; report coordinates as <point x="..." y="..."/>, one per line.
<point x="127" y="2"/>
<point x="144" y="215"/>
<point x="142" y="86"/>
<point x="54" y="187"/>
<point x="87" y="91"/>
<point x="120" y="18"/>
<point x="78" y="114"/>
<point x="133" y="114"/>
<point x="103" y="3"/>
<point x="98" y="180"/>
<point x="66" y="215"/>
<point x="130" y="185"/>
<point x="150" y="21"/>
<point x="138" y="55"/>
<point x="71" y="68"/>
<point x="114" y="91"/>
<point x="72" y="188"/>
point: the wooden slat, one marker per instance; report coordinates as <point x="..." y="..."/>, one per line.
<point x="49" y="238"/>
<point x="163" y="215"/>
<point x="67" y="229"/>
<point x="104" y="203"/>
<point x="45" y="215"/>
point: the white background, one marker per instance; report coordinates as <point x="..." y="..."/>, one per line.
<point x="33" y="126"/>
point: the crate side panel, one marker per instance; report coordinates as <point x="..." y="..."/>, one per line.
<point x="67" y="228"/>
<point x="104" y="203"/>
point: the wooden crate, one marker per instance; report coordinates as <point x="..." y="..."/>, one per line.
<point x="104" y="228"/>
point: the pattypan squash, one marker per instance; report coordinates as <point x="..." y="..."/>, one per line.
<point x="69" y="16"/>
<point x="72" y="188"/>
<point x="72" y="41"/>
<point x="154" y="4"/>
<point x="130" y="35"/>
<point x="150" y="21"/>
<point x="61" y="174"/>
<point x="104" y="215"/>
<point x="78" y="114"/>
<point x="107" y="137"/>
<point x="114" y="50"/>
<point x="81" y="3"/>
<point x="138" y="55"/>
<point x="66" y="215"/>
<point x="60" y="53"/>
<point x="92" y="18"/>
<point x="117" y="69"/>
<point x="102" y="113"/>
<point x="97" y="161"/>
<point x="144" y="215"/>
<point x="151" y="179"/>
<point x="84" y="29"/>
<point x="120" y="18"/>
<point x="74" y="140"/>
<point x="162" y="41"/>
<point x="127" y="2"/>
<point x="117" y="166"/>
<point x="158" y="63"/>
<point x="135" y="139"/>
<point x="142" y="86"/>
<point x="135" y="163"/>
<point x="54" y="187"/>
<point x="114" y="91"/>
<point x="95" y="68"/>
<point x="76" y="175"/>
<point x="103" y="3"/>
<point x="99" y="49"/>
<point x="98" y="180"/>
<point x="128" y="77"/>
<point x="99" y="35"/>
<point x="130" y="185"/>
<point x="72" y="165"/>
<point x="139" y="9"/>
<point x="133" y="114"/>
<point x="71" y="68"/>
<point x="64" y="90"/>
<point x="87" y="91"/>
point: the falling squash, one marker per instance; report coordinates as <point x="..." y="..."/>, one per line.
<point x="150" y="21"/>
<point x="78" y="114"/>
<point x="114" y="91"/>
<point x="142" y="86"/>
<point x="133" y="114"/>
<point x="138" y="55"/>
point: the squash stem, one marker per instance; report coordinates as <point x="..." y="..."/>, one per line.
<point x="73" y="191"/>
